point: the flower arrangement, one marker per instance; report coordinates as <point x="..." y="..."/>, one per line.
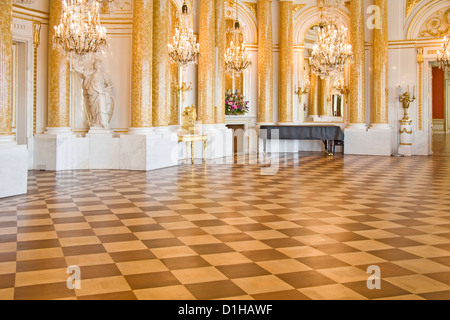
<point x="235" y="103"/>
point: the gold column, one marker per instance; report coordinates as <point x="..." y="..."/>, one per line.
<point x="160" y="62"/>
<point x="286" y="112"/>
<point x="357" y="67"/>
<point x="324" y="97"/>
<point x="265" y="61"/>
<point x="206" y="64"/>
<point x="380" y="67"/>
<point x="420" y="88"/>
<point x="141" y="75"/>
<point x="58" y="75"/>
<point x="6" y="62"/>
<point x="314" y="95"/>
<point x="220" y="46"/>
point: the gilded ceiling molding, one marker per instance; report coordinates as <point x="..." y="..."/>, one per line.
<point x="252" y="6"/>
<point x="438" y="25"/>
<point x="410" y="5"/>
<point x="297" y="7"/>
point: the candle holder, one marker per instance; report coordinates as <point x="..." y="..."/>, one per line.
<point x="406" y="100"/>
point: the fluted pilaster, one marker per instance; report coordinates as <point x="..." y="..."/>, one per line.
<point x="220" y="46"/>
<point x="141" y="76"/>
<point x="160" y="69"/>
<point x="58" y="75"/>
<point x="6" y="68"/>
<point x="357" y="68"/>
<point x="265" y="61"/>
<point x="286" y="112"/>
<point x="380" y="67"/>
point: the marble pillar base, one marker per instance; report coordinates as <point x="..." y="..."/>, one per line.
<point x="13" y="169"/>
<point x="101" y="150"/>
<point x="149" y="151"/>
<point x="375" y="141"/>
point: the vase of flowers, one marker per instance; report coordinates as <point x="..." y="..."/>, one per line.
<point x="235" y="103"/>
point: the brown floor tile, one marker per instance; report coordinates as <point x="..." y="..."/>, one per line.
<point x="211" y="248"/>
<point x="145" y="227"/>
<point x="37" y="244"/>
<point x="75" y="233"/>
<point x="7" y="280"/>
<point x="42" y="264"/>
<point x="281" y="295"/>
<point x="99" y="271"/>
<point x="387" y="290"/>
<point x="264" y="255"/>
<point x="282" y="243"/>
<point x="400" y="242"/>
<point x="334" y="248"/>
<point x="389" y="270"/>
<point x="44" y="292"/>
<point x="125" y="295"/>
<point x="393" y="254"/>
<point x="346" y="236"/>
<point x="322" y="262"/>
<point x="210" y="290"/>
<point x="188" y="232"/>
<point x="132" y="255"/>
<point x="82" y="250"/>
<point x="151" y="280"/>
<point x="441" y="295"/>
<point x="443" y="277"/>
<point x="242" y="270"/>
<point x="233" y="237"/>
<point x="117" y="237"/>
<point x="305" y="279"/>
<point x="185" y="262"/>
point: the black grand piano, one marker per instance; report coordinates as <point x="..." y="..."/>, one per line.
<point x="329" y="134"/>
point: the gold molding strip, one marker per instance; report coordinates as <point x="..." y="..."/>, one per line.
<point x="420" y="87"/>
<point x="36" y="43"/>
<point x="252" y="6"/>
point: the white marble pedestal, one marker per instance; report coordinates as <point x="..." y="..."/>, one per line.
<point x="376" y="141"/>
<point x="13" y="169"/>
<point x="406" y="138"/>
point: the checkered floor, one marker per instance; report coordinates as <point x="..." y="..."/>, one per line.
<point x="225" y="231"/>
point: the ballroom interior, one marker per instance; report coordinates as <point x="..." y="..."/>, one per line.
<point x="224" y="149"/>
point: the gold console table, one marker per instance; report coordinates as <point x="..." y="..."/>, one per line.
<point x="192" y="138"/>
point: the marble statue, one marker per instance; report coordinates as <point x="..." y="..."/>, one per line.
<point x="97" y="89"/>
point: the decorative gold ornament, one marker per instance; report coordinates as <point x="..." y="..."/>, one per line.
<point x="339" y="85"/>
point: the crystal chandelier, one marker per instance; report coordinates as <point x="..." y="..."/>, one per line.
<point x="443" y="55"/>
<point x="331" y="51"/>
<point x="236" y="57"/>
<point x="80" y="31"/>
<point x="184" y="49"/>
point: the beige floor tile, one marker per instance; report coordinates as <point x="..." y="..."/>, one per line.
<point x="315" y="239"/>
<point x="164" y="293"/>
<point x="7" y="294"/>
<point x="332" y="292"/>
<point x="78" y="241"/>
<point x="299" y="252"/>
<point x="266" y="234"/>
<point x="124" y="246"/>
<point x="149" y="235"/>
<point x="39" y="254"/>
<point x="173" y="252"/>
<point x="8" y="247"/>
<point x="283" y="266"/>
<point x="7" y="267"/>
<point x="203" y="239"/>
<point x="262" y="284"/>
<point x="30" y="236"/>
<point x="358" y="258"/>
<point x="345" y="274"/>
<point x="422" y="266"/>
<point x="426" y="251"/>
<point x="102" y="285"/>
<point x="41" y="277"/>
<point x="247" y="245"/>
<point x="418" y="284"/>
<point x="228" y="258"/>
<point x="141" y="266"/>
<point x="368" y="245"/>
<point x="198" y="275"/>
<point x="89" y="259"/>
